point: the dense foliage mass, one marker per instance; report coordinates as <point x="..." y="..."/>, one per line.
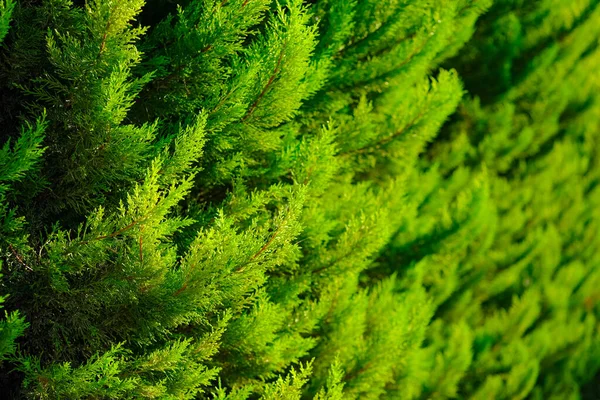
<point x="334" y="199"/>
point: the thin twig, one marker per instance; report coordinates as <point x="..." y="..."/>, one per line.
<point x="266" y="245"/>
<point x="18" y="257"/>
<point x="181" y="289"/>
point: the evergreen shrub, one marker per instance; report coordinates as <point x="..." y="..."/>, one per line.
<point x="328" y="199"/>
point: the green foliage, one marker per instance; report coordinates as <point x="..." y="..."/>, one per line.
<point x="17" y="161"/>
<point x="11" y="327"/>
<point x="330" y="199"/>
<point x="6" y="9"/>
<point x="533" y="316"/>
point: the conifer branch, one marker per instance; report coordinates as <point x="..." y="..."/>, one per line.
<point x="266" y="245"/>
<point x="357" y="372"/>
<point x="332" y="263"/>
<point x="163" y="82"/>
<point x="387" y="139"/>
<point x="116" y="233"/>
<point x="103" y="42"/>
<point x="393" y="72"/>
<point x="106" y="28"/>
<point x="268" y="85"/>
<point x="223" y="100"/>
<point x="122" y="230"/>
<point x="180" y="290"/>
<point x="391" y="45"/>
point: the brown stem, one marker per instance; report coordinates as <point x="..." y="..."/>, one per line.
<point x="141" y="251"/>
<point x="181" y="289"/>
<point x="114" y="234"/>
<point x="266" y="245"/>
<point x="105" y="35"/>
<point x="103" y="44"/>
<point x="267" y="86"/>
<point x="18" y="257"/>
<point x="117" y="233"/>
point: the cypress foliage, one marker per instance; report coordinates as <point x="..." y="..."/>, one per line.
<point x="243" y="199"/>
<point x="532" y="297"/>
